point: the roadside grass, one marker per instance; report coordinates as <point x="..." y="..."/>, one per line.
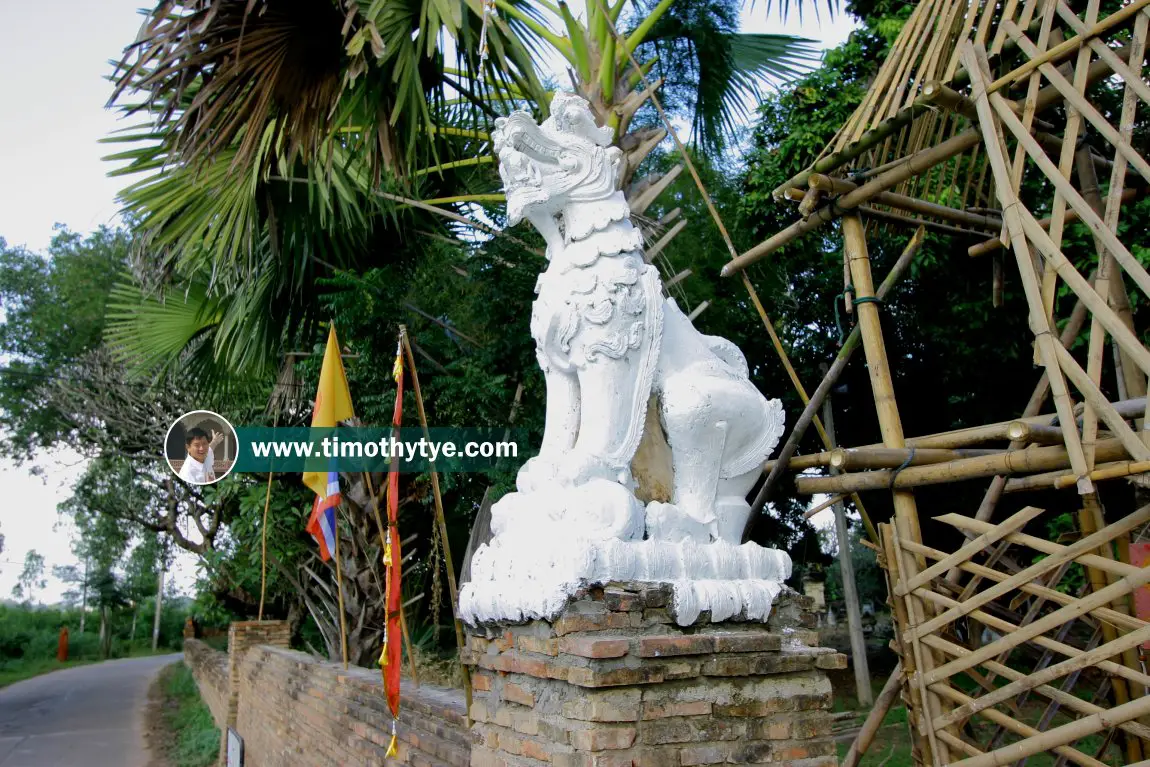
<point x="18" y="669"/>
<point x="194" y="739"/>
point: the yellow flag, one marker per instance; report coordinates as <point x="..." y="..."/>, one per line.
<point x="332" y="404"/>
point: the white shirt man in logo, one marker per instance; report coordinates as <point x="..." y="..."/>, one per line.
<point x="199" y="465"/>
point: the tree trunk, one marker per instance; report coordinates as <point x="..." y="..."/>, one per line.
<point x="105" y="634"/>
<point x="84" y="597"/>
<point x="135" y="615"/>
<point x="159" y="608"/>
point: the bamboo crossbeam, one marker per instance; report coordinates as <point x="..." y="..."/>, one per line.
<point x="1057" y="480"/>
<point x="854" y="458"/>
<point x="1045" y="565"/>
<point x="1012" y="524"/>
<point x="1104" y="52"/>
<point x="904" y="202"/>
<point x="677" y="279"/>
<point x="990" y="246"/>
<point x="970" y="525"/>
<point x="1102" y="407"/>
<point x="1026" y="460"/>
<point x="1105" y="614"/>
<point x="894" y="218"/>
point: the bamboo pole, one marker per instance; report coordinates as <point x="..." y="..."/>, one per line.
<point x="1026" y="460"/>
<point x="930" y="702"/>
<point x="903" y="202"/>
<point x="890" y="425"/>
<point x="832" y="376"/>
<point x="855" y="458"/>
<point x="874" y="719"/>
<point x="859" y="663"/>
<point x="441" y="522"/>
<point x="264" y="549"/>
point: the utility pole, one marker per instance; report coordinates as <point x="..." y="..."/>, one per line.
<point x="850" y="590"/>
<point x="84" y="597"/>
<point x="159" y="603"/>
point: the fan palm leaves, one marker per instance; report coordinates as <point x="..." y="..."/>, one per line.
<point x="278" y="135"/>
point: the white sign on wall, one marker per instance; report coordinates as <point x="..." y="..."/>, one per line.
<point x="235" y="749"/>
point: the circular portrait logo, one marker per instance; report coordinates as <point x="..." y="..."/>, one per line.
<point x="201" y="447"/>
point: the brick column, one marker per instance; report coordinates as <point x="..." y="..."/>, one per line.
<point x="613" y="681"/>
<point x="243" y="635"/>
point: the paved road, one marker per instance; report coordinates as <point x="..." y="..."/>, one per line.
<point x="89" y="716"/>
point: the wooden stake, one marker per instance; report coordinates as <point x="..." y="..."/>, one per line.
<point x="874" y="719"/>
<point x="439" y="518"/>
<point x="339" y="591"/>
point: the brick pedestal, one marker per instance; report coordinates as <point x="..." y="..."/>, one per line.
<point x="614" y="681"/>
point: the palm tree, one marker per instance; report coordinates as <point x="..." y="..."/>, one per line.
<point x="282" y="140"/>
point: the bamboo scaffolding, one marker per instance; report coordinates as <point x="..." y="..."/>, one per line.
<point x="1006" y="627"/>
<point x="1065" y="554"/>
<point x="969" y="525"/>
<point x="1101" y="613"/>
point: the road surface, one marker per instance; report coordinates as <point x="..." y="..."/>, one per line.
<point x="88" y="716"/>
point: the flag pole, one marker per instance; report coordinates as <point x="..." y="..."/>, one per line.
<point x="339" y="590"/>
<point x="454" y="589"/>
<point x="402" y="608"/>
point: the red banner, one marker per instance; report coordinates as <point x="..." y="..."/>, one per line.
<point x="393" y="650"/>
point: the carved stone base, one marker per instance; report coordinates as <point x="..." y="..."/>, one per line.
<point x="533" y="574"/>
<point x="613" y="681"/>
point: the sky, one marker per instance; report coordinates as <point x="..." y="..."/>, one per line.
<point x="53" y="116"/>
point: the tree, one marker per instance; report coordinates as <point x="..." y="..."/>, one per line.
<point x="31" y="577"/>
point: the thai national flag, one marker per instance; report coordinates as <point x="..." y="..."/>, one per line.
<point x="322" y="522"/>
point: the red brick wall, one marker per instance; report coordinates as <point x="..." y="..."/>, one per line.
<point x="210" y="670"/>
<point x="295" y="710"/>
<point x="292" y="709"/>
